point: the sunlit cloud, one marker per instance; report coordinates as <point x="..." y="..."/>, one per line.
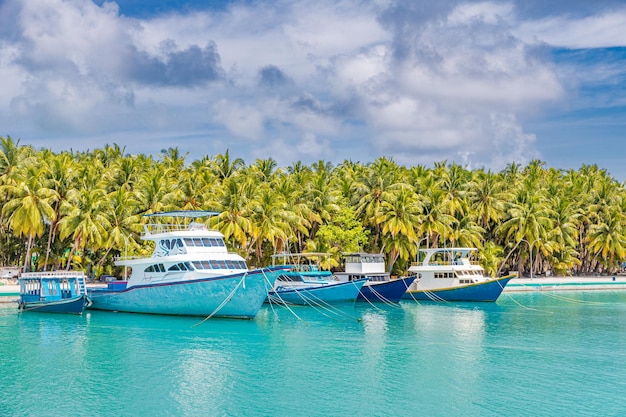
<point x="302" y="80"/>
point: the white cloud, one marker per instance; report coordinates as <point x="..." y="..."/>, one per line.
<point x="603" y="30"/>
<point x="241" y="120"/>
<point x="421" y="88"/>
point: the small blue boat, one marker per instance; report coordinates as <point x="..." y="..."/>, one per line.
<point x="309" y="284"/>
<point x="380" y="287"/>
<point x="448" y="274"/>
<point x="53" y="292"/>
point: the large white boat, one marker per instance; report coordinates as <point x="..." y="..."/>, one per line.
<point x="448" y="274"/>
<point x="190" y="272"/>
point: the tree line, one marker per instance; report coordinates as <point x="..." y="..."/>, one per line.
<point x="79" y="210"/>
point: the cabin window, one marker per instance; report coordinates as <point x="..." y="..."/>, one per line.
<point x="155" y="268"/>
<point x="173" y="268"/>
<point x="290" y="278"/>
<point x="197" y="264"/>
<point x="215" y="265"/>
<point x="189" y="241"/>
<point x="222" y="264"/>
<point x="377" y="278"/>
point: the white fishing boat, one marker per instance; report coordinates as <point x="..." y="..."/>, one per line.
<point x="448" y="274"/>
<point x="190" y="272"/>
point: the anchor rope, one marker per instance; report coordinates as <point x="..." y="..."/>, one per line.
<point x="226" y="300"/>
<point x="270" y="298"/>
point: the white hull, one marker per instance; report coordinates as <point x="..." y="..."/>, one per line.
<point x="237" y="296"/>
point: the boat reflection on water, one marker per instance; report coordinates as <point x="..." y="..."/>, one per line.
<point x="459" y="331"/>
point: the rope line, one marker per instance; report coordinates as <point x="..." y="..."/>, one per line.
<point x="226" y="300"/>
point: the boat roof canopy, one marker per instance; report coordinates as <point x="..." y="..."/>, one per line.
<point x="300" y="255"/>
<point x="443" y="250"/>
<point x="192" y="214"/>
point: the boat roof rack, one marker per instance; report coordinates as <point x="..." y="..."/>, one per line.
<point x="300" y="255"/>
<point x="193" y="214"/>
<point x="448" y="249"/>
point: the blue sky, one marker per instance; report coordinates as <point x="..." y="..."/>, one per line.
<point x="480" y="83"/>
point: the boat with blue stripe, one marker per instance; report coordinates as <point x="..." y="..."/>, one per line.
<point x="53" y="292"/>
<point x="189" y="273"/>
<point x="448" y="274"/>
<point x="307" y="282"/>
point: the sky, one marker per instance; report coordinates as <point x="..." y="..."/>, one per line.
<point x="480" y="83"/>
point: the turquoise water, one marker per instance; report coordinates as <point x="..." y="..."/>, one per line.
<point x="537" y="354"/>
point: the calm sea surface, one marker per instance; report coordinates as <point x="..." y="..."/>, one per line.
<point x="540" y="354"/>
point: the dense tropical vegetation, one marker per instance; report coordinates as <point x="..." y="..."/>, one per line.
<point x="81" y="209"/>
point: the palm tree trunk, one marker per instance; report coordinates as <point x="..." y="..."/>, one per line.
<point x="51" y="235"/>
<point x="28" y="247"/>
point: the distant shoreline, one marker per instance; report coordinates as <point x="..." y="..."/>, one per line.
<point x="569" y="283"/>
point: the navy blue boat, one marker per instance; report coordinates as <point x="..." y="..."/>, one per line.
<point x="53" y="292"/>
<point x="379" y="287"/>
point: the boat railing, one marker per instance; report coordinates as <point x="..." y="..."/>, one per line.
<point x="41" y="274"/>
<point x="457" y="262"/>
<point x="153" y="228"/>
<point x="127" y="258"/>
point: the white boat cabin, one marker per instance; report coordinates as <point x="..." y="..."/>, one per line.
<point x="182" y="252"/>
<point x="446" y="267"/>
<point x="363" y="265"/>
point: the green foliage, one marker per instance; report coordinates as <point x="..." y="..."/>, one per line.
<point x="344" y="233"/>
<point x="84" y="208"/>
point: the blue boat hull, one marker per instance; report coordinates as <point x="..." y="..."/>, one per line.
<point x="488" y="291"/>
<point x="385" y="291"/>
<point x="233" y="296"/>
<point x="74" y="305"/>
<point x="318" y="296"/>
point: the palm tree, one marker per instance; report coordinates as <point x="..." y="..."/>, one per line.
<point x="529" y="219"/>
<point x="488" y="198"/>
<point x="608" y="240"/>
<point x="12" y="157"/>
<point x="223" y="167"/>
<point x="321" y="197"/>
<point x="369" y="188"/>
<point x="121" y="213"/>
<point x="400" y="218"/>
<point x="85" y="220"/>
<point x="60" y="175"/>
<point x="234" y="205"/>
<point x="30" y="209"/>
<point x="269" y="220"/>
<point x="155" y="191"/>
<point x="435" y="219"/>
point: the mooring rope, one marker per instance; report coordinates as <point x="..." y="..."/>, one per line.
<point x="282" y="302"/>
<point x="226" y="300"/>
